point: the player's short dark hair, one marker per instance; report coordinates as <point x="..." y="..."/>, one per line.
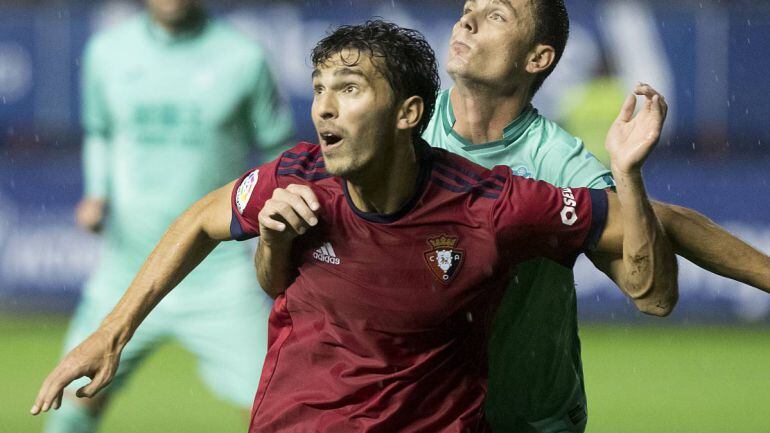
<point x="551" y="23"/>
<point x="405" y="59"/>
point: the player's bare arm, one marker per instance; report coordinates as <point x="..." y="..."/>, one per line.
<point x="698" y="239"/>
<point x="290" y="212"/>
<point x="647" y="272"/>
<point x="703" y="242"/>
<point x="186" y="243"/>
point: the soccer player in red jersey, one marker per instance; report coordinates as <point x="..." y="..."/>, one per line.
<point x="386" y="257"/>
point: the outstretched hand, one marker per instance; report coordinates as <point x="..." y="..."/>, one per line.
<point x="96" y="358"/>
<point x="631" y="139"/>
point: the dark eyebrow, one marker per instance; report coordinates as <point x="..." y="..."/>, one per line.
<point x="342" y="71"/>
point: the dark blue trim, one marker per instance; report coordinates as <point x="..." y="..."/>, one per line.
<point x="448" y="174"/>
<point x="500" y="178"/>
<point x="468" y="173"/>
<point x="305" y="163"/>
<point x="236" y="231"/>
<point x="296" y="155"/>
<point x="303" y="174"/>
<point x="599" y="208"/>
<point x="465" y="189"/>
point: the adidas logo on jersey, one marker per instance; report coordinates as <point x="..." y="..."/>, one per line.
<point x="326" y="254"/>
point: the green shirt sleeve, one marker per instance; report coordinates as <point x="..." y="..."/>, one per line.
<point x="96" y="127"/>
<point x="270" y="115"/>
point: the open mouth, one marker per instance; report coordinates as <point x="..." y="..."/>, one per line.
<point x="330" y="139"/>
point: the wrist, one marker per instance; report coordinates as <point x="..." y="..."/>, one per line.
<point x="633" y="173"/>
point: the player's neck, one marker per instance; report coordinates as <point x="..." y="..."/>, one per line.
<point x="191" y="23"/>
<point x="386" y="186"/>
<point x="482" y="114"/>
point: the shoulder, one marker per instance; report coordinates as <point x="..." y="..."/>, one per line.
<point x="302" y="162"/>
<point x="237" y="43"/>
<point x="110" y="39"/>
<point x="553" y="139"/>
<point x="458" y="174"/>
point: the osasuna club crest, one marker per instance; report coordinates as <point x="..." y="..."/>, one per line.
<point x="444" y="259"/>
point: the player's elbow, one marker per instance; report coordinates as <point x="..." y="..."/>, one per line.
<point x="661" y="301"/>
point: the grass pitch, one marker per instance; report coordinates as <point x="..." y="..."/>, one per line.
<point x="667" y="380"/>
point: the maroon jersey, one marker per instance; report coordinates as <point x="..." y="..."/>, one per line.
<point x="385" y="327"/>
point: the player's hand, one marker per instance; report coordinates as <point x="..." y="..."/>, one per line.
<point x="97" y="358"/>
<point x="289" y="213"/>
<point x="631" y="139"/>
<point x="90" y="213"/>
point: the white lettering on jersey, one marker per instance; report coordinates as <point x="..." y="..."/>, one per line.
<point x="568" y="215"/>
<point x="243" y="194"/>
<point x="326" y="254"/>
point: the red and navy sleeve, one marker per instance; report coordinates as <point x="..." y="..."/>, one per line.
<point x="249" y="195"/>
<point x="536" y="219"/>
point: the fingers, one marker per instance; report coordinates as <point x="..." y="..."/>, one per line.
<point x="292" y="206"/>
<point x="307" y="194"/>
<point x="50" y="393"/>
<point x="652" y="103"/>
<point x="99" y="381"/>
<point x="627" y="110"/>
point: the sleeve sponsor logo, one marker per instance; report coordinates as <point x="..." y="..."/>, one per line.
<point x="568" y="214"/>
<point x="243" y="194"/>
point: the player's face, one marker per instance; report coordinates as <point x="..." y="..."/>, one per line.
<point x="171" y="12"/>
<point x="490" y="42"/>
<point x="353" y="111"/>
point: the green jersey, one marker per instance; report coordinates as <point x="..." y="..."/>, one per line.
<point x="167" y="120"/>
<point x="534" y="351"/>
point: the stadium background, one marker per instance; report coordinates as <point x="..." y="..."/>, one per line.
<point x="705" y="368"/>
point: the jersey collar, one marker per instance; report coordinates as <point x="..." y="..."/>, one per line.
<point x="422" y="182"/>
<point x="512" y="132"/>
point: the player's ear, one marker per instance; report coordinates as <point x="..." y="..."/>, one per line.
<point x="410" y="113"/>
<point x="540" y="58"/>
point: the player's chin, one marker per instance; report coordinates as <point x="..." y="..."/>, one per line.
<point x="336" y="165"/>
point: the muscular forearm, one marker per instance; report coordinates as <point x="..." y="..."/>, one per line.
<point x="650" y="272"/>
<point x="180" y="250"/>
<point x="274" y="269"/>
<point x="700" y="240"/>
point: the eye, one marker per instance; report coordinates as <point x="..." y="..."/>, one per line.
<point x="496" y="16"/>
<point x="317" y="90"/>
<point x="350" y="88"/>
<point x="466" y="11"/>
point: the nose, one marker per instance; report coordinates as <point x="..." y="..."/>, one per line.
<point x="326" y="106"/>
<point x="468" y="22"/>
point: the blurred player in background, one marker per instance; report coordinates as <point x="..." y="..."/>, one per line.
<point x="501" y="52"/>
<point x="172" y="103"/>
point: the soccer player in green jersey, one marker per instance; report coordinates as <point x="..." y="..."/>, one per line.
<point x="501" y="52"/>
<point x="173" y="102"/>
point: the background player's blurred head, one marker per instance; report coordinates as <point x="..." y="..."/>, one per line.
<point x="175" y="14"/>
<point x="508" y="44"/>
<point x="374" y="88"/>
